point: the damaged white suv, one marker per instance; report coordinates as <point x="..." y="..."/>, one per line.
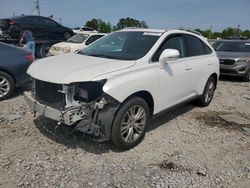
<point x="112" y="88"/>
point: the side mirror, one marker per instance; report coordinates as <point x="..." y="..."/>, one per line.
<point x="169" y="55"/>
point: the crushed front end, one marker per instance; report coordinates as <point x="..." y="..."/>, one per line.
<point x="83" y="105"/>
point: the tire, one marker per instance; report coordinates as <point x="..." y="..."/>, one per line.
<point x="208" y="93"/>
<point x="66" y="35"/>
<point x="129" y="130"/>
<point x="7" y="86"/>
<point x="247" y="77"/>
<point x="42" y="50"/>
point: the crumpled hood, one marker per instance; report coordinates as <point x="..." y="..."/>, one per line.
<point x="69" y="68"/>
<point x="232" y="55"/>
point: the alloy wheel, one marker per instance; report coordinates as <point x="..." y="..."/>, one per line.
<point x="133" y="123"/>
<point x="209" y="92"/>
<point x="4" y="86"/>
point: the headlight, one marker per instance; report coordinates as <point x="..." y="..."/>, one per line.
<point x="242" y="60"/>
<point x="66" y="49"/>
<point x="89" y="91"/>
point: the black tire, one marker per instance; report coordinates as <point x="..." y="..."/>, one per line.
<point x="66" y="35"/>
<point x="247" y="77"/>
<point x="42" y="50"/>
<point x="208" y="93"/>
<point x="135" y="127"/>
<point x="7" y="85"/>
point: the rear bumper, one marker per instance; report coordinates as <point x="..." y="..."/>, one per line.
<point x="24" y="82"/>
<point x="238" y="70"/>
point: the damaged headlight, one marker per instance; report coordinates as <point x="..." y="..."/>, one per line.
<point x="89" y="91"/>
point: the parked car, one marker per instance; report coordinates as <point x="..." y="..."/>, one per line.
<point x="234" y="57"/>
<point x="83" y="29"/>
<point x="14" y="62"/>
<point x="75" y="43"/>
<point x="111" y="88"/>
<point x="41" y="27"/>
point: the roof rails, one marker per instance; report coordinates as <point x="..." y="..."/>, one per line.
<point x="192" y="31"/>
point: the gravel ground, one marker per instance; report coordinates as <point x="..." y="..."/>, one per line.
<point x="187" y="147"/>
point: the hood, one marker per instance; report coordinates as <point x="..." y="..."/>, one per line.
<point x="69" y="68"/>
<point x="232" y="55"/>
<point x="66" y="44"/>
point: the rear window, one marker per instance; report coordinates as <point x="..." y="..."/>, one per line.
<point x="234" y="46"/>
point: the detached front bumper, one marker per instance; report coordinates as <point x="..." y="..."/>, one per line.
<point x="68" y="116"/>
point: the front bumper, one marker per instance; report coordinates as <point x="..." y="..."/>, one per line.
<point x="68" y="116"/>
<point x="235" y="70"/>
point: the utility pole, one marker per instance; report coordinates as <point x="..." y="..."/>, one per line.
<point x="37" y="7"/>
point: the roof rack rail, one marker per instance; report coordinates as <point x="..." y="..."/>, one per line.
<point x="192" y="31"/>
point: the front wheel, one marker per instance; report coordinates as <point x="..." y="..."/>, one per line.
<point x="247" y="77"/>
<point x="130" y="123"/>
<point x="208" y="93"/>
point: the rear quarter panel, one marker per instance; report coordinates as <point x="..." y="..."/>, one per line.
<point x="13" y="62"/>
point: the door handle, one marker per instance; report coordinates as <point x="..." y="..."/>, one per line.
<point x="210" y="63"/>
<point x="187" y="68"/>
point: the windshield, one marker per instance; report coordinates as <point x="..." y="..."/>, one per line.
<point x="122" y="45"/>
<point x="234" y="46"/>
<point x="78" y="38"/>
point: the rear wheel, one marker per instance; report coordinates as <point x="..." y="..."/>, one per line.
<point x="7" y="85"/>
<point x="208" y="93"/>
<point x="130" y="123"/>
<point x="42" y="50"/>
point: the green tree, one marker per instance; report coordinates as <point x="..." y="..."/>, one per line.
<point x="130" y="22"/>
<point x="229" y="32"/>
<point x="92" y="23"/>
<point x="99" y="25"/>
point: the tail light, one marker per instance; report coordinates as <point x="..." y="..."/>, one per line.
<point x="12" y="22"/>
<point x="29" y="58"/>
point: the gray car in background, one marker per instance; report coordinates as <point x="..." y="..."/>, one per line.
<point x="234" y="57"/>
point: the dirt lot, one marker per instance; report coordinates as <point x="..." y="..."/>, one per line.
<point x="187" y="147"/>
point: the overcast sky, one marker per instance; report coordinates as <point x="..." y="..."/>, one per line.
<point x="218" y="14"/>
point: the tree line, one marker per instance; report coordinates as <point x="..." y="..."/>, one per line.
<point x="226" y="33"/>
<point x="106" y="27"/>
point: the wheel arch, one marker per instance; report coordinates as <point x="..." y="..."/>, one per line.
<point x="146" y="96"/>
<point x="215" y="76"/>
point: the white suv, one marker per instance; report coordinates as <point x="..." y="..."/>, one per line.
<point x="111" y="88"/>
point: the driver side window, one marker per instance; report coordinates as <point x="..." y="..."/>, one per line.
<point x="174" y="42"/>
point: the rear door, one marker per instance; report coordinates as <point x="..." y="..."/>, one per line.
<point x="199" y="61"/>
<point x="53" y="29"/>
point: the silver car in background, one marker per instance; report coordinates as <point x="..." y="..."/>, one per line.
<point x="234" y="57"/>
